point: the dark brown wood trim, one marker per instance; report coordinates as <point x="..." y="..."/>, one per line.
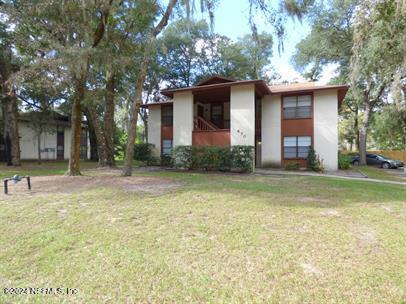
<point x="262" y="87"/>
<point x="162" y="126"/>
<point x="292" y="121"/>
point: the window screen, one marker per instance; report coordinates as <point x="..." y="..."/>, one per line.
<point x="167" y="115"/>
<point x="167" y="147"/>
<point x="297" y="106"/>
<point x="296" y="146"/>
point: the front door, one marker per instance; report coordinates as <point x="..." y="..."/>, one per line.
<point x="60" y="145"/>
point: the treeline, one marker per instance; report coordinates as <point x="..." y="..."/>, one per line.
<point x="365" y="40"/>
<point x="102" y="59"/>
<point x="98" y="61"/>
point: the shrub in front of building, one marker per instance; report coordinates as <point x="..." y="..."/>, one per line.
<point x="344" y="161"/>
<point x="213" y="158"/>
<point x="314" y="162"/>
<point x="242" y="158"/>
<point x="292" y="166"/>
<point x="183" y="157"/>
<point x="143" y="151"/>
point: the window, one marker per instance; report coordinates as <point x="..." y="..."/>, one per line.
<point x="296" y="146"/>
<point x="167" y="147"/>
<point x="217" y="115"/>
<point x="167" y="115"/>
<point x="297" y="106"/>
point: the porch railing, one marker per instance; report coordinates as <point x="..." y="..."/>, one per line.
<point x="201" y="124"/>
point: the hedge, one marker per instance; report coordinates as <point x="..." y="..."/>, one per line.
<point x="344" y="161"/>
<point x="144" y="152"/>
<point x="213" y="158"/>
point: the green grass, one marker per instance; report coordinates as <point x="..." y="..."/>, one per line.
<point x="378" y="173"/>
<point x="216" y="238"/>
<point x="32" y="168"/>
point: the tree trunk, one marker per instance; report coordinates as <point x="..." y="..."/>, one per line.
<point x="109" y="119"/>
<point x="135" y="106"/>
<point x="100" y="140"/>
<point x="356" y="127"/>
<point x="10" y="113"/>
<point x="9" y="106"/>
<point x="76" y="127"/>
<point x="363" y="133"/>
<point x="92" y="139"/>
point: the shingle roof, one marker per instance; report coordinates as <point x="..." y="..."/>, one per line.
<point x="303" y="86"/>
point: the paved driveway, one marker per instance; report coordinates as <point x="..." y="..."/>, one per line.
<point x="399" y="172"/>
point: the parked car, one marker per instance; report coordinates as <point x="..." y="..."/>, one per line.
<point x="379" y="161"/>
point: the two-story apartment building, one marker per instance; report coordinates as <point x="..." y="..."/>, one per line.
<point x="280" y="121"/>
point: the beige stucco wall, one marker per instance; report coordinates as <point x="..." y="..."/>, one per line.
<point x="271" y="130"/>
<point x="182" y="118"/>
<point x="66" y="140"/>
<point x="326" y="127"/>
<point x="154" y="129"/>
<point x="242" y="115"/>
<point x="29" y="143"/>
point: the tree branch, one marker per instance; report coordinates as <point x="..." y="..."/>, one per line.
<point x="164" y="20"/>
<point x="101" y="26"/>
<point x="29" y="102"/>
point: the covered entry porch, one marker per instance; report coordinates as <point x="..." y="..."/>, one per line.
<point x="211" y="117"/>
<point x="217" y="111"/>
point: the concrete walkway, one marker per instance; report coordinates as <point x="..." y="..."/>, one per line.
<point x="340" y="175"/>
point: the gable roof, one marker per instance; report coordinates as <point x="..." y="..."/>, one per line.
<point x="302" y="86"/>
<point x="214" y="79"/>
<point x="260" y="87"/>
<point x="305" y="87"/>
<point x="53" y="117"/>
<point x="217" y="82"/>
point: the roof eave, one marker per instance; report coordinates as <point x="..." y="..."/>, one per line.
<point x="265" y="89"/>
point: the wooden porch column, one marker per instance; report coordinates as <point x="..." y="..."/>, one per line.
<point x="182" y="118"/>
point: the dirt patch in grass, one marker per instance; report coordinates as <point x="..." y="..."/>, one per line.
<point x="333" y="213"/>
<point x="68" y="184"/>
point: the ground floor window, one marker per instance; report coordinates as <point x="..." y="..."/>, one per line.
<point x="296" y="146"/>
<point x="167" y="147"/>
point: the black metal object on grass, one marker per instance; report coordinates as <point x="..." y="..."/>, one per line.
<point x="16" y="179"/>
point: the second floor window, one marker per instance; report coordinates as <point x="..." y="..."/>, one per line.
<point x="297" y="106"/>
<point x="167" y="115"/>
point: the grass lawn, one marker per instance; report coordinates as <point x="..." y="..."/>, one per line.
<point x="195" y="238"/>
<point x="378" y="173"/>
<point x="46" y="168"/>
